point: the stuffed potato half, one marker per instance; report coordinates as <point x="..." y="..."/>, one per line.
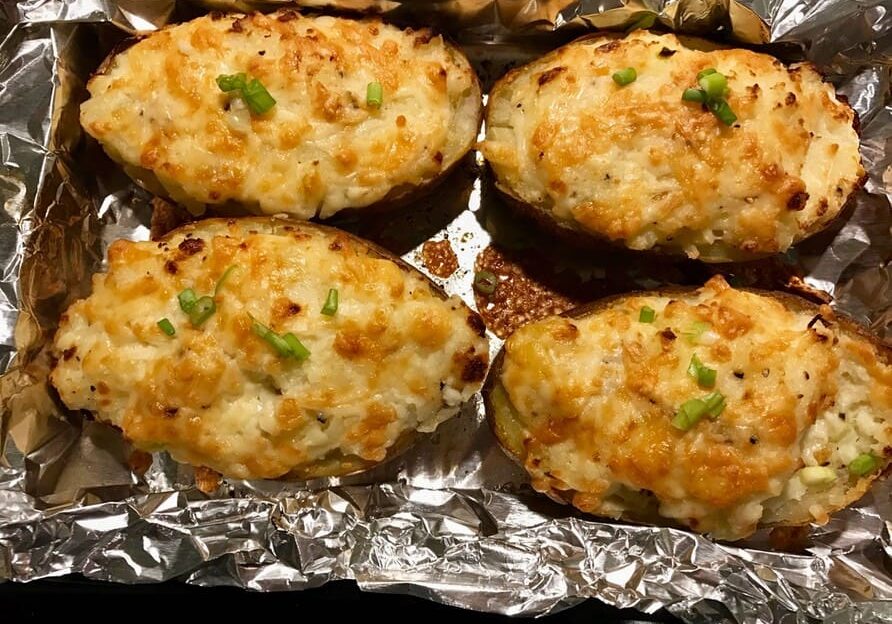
<point x="365" y="114"/>
<point x="595" y="140"/>
<point x="717" y="409"/>
<point x="264" y="347"/>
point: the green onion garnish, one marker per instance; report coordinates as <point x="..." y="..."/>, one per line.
<point x="286" y="346"/>
<point x="485" y="282"/>
<point x="646" y="315"/>
<point x="714" y="84"/>
<point x="692" y="411"/>
<point x="202" y="310"/>
<point x="167" y="327"/>
<point x="722" y="110"/>
<point x="693" y="333"/>
<point x="864" y="464"/>
<point x="298" y="350"/>
<point x="694" y="95"/>
<point x="689" y="414"/>
<point x="374" y="94"/>
<point x="704" y="375"/>
<point x="715" y="404"/>
<point x="234" y="82"/>
<point x="272" y="338"/>
<point x="187" y="300"/>
<point x="257" y="97"/>
<point x="331" y="302"/>
<point x="253" y="93"/>
<point x="625" y="76"/>
<point x="222" y="281"/>
<point x="706" y="72"/>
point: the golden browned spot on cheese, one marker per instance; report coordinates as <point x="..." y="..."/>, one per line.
<point x="639" y="166"/>
<point x="594" y="398"/>
<point x="322" y="148"/>
<point x="395" y="358"/>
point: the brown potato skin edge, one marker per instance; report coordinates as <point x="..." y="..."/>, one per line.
<point x="595" y="241"/>
<point x="792" y="302"/>
<point x="396" y="198"/>
<point x="336" y="464"/>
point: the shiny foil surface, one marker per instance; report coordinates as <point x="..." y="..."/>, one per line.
<point x="453" y="519"/>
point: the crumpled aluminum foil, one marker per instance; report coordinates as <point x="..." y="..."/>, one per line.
<point x="452" y="520"/>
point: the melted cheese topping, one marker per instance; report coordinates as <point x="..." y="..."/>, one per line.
<point x="395" y="358"/>
<point x="637" y="165"/>
<point x="322" y="148"/>
<point x="595" y="397"/>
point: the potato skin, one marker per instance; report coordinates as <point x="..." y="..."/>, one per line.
<point x="156" y="109"/>
<point x="635" y="166"/>
<point x="516" y="438"/>
<point x="396" y="358"/>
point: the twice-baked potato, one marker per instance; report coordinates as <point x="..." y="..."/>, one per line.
<point x="361" y="113"/>
<point x="596" y="141"/>
<point x="717" y="409"/>
<point x="264" y="347"/>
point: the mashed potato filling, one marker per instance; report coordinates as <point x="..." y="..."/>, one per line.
<point x="592" y="403"/>
<point x="395" y="358"/>
<point x="156" y="107"/>
<point x="639" y="166"/>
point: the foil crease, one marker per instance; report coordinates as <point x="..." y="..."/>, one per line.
<point x="452" y="520"/>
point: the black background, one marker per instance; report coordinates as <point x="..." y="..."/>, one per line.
<point x="75" y="598"/>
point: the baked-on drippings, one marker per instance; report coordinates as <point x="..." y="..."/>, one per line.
<point x="156" y="107"/>
<point x="639" y="166"/>
<point x="395" y="357"/>
<point x="439" y="257"/>
<point x="594" y="401"/>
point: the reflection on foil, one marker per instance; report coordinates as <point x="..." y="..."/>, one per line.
<point x="451" y="520"/>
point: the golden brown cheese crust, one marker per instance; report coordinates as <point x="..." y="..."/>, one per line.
<point x="593" y="400"/>
<point x="638" y="166"/>
<point x="156" y="108"/>
<point x="396" y="357"/>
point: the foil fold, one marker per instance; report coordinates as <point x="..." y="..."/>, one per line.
<point x="453" y="520"/>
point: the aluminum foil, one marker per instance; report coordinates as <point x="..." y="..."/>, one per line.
<point x="452" y="520"/>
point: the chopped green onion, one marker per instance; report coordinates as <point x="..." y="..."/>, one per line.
<point x="625" y="76"/>
<point x="485" y="282"/>
<point x="722" y="110"/>
<point x="223" y="278"/>
<point x="864" y="464"/>
<point x="331" y="302"/>
<point x="202" y="310"/>
<point x="693" y="410"/>
<point x="817" y="475"/>
<point x="272" y="338"/>
<point x="693" y="333"/>
<point x="706" y="72"/>
<point x="689" y="414"/>
<point x="233" y="82"/>
<point x="167" y="327"/>
<point x="714" y="84"/>
<point x="704" y="375"/>
<point x="298" y="350"/>
<point x="286" y="346"/>
<point x="374" y="94"/>
<point x="715" y="404"/>
<point x="187" y="299"/>
<point x="646" y="315"/>
<point x="257" y="97"/>
<point x="694" y="95"/>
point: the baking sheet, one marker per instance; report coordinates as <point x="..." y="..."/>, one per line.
<point x="453" y="519"/>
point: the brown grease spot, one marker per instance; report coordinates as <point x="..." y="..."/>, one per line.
<point x="476" y="323"/>
<point x="68" y="353"/>
<point x="191" y="246"/>
<point x="439" y="258"/>
<point x="797" y="201"/>
<point x="171" y="267"/>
